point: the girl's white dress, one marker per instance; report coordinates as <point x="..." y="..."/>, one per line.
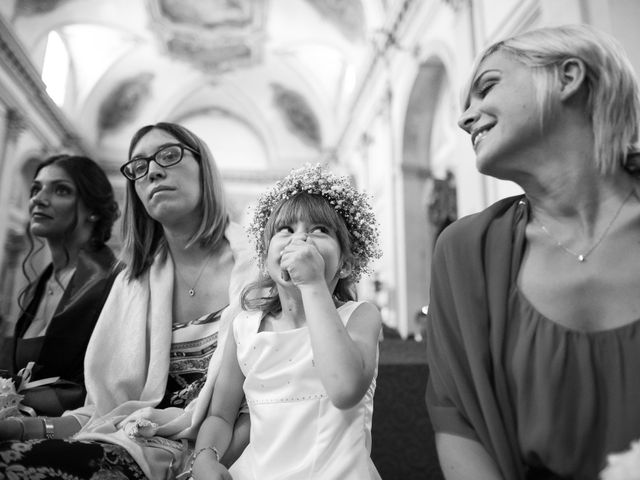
<point x="296" y="432"/>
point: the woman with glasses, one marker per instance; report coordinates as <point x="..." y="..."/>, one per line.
<point x="71" y="214"/>
<point x="154" y="348"/>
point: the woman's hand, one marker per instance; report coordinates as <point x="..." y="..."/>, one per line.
<point x="156" y="420"/>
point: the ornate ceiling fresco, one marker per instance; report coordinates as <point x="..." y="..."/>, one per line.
<point x="215" y="35"/>
<point x="124" y="101"/>
<point x="267" y="83"/>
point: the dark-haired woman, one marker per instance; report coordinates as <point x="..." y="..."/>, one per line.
<point x="154" y="356"/>
<point x="72" y="210"/>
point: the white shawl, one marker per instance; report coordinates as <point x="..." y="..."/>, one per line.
<point x="127" y="360"/>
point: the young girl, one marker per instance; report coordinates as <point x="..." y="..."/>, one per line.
<point x="304" y="353"/>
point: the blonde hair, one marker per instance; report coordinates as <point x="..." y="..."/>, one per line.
<point x="613" y="97"/>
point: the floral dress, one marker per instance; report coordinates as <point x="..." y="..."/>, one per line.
<point x="192" y="346"/>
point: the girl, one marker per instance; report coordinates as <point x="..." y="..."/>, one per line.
<point x="304" y="353"/>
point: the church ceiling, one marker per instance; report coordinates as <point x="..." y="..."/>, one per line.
<point x="282" y="71"/>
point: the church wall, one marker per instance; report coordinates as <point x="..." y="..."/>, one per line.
<point x="451" y="32"/>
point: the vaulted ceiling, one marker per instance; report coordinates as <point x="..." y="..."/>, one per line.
<point x="268" y="83"/>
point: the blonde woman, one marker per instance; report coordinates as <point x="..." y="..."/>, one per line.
<point x="534" y="322"/>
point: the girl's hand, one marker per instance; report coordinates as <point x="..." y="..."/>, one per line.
<point x="302" y="262"/>
<point x="210" y="469"/>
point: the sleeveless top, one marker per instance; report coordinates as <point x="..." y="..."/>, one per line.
<point x="296" y="432"/>
<point x="576" y="394"/>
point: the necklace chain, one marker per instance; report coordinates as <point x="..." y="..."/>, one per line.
<point x="583" y="256"/>
<point x="192" y="290"/>
<point x="59" y="280"/>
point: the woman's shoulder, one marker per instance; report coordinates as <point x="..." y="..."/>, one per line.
<point x="473" y="227"/>
<point x="237" y="238"/>
<point x="245" y="265"/>
<point x="102" y="259"/>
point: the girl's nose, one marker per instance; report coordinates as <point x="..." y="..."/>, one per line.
<point x="468" y="118"/>
<point x="300" y="235"/>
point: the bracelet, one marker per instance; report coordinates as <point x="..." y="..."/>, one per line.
<point x="49" y="429"/>
<point x="195" y="455"/>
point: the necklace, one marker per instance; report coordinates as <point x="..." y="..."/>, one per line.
<point x="54" y="291"/>
<point x="583" y="256"/>
<point x="59" y="282"/>
<point x="192" y="290"/>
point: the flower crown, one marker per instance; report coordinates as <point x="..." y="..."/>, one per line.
<point x="350" y="204"/>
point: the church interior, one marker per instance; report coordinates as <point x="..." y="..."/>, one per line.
<point x="368" y="87"/>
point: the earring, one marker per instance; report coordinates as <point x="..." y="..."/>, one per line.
<point x="93" y="218"/>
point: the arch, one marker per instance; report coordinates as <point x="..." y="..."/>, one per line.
<point x="234" y="142"/>
<point x="422" y="195"/>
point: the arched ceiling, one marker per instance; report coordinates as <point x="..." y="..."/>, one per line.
<point x="266" y="82"/>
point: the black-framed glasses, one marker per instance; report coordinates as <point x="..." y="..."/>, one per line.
<point x="167" y="156"/>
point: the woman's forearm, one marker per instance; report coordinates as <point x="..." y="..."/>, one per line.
<point x="29" y="428"/>
<point x="465" y="459"/>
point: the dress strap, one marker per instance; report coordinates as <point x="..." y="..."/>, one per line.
<point x="346" y="310"/>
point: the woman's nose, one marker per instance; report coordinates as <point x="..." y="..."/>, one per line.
<point x="468" y="118"/>
<point x="155" y="171"/>
<point x="40" y="198"/>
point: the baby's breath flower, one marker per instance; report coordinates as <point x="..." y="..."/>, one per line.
<point x="350" y="204"/>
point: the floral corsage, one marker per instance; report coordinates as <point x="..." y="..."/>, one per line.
<point x="9" y="399"/>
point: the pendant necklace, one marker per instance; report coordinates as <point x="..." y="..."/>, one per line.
<point x="59" y="281"/>
<point x="54" y="291"/>
<point x="192" y="290"/>
<point x="583" y="256"/>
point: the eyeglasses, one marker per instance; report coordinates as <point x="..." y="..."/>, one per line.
<point x="167" y="156"/>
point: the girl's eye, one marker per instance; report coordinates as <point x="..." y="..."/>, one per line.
<point x="319" y="229"/>
<point x="34" y="190"/>
<point x="284" y="229"/>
